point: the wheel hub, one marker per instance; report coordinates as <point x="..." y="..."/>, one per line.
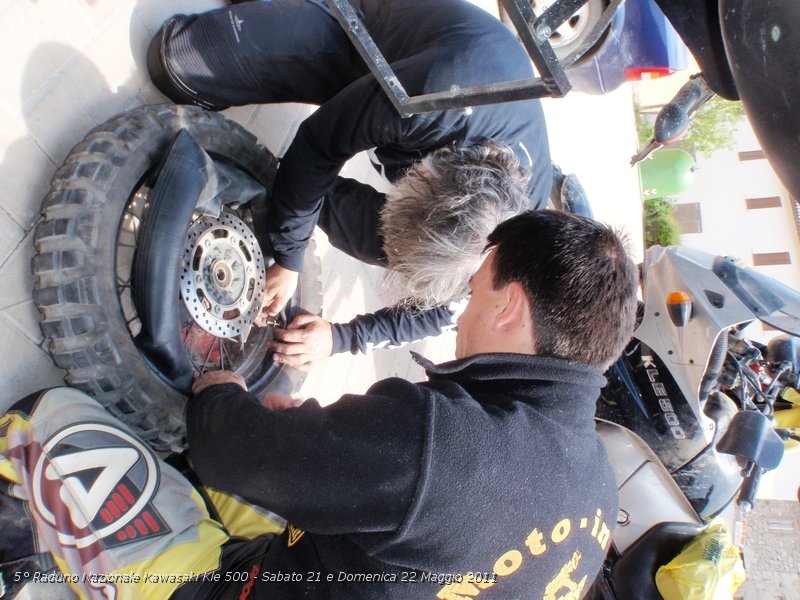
<point x="568" y="31"/>
<point x="222" y="282"/>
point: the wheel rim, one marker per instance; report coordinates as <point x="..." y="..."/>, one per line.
<point x="571" y="30"/>
<point x="240" y="348"/>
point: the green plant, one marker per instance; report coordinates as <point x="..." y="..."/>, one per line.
<point x="660" y="226"/>
<point x="713" y="126"/>
<point x="644" y="126"/>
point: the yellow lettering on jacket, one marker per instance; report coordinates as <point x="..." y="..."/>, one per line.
<point x="534" y="542"/>
<point x="469" y="588"/>
<point x="458" y="591"/>
<point x="563" y="581"/>
<point x="508" y="563"/>
<point x="561" y="531"/>
<point x="562" y="586"/>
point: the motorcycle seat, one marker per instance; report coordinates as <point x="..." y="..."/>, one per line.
<point x="634" y="573"/>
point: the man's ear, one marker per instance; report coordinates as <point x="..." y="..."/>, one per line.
<point x="516" y="312"/>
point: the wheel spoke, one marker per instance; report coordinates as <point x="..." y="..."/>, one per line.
<point x="207" y="357"/>
<point x="224" y="353"/>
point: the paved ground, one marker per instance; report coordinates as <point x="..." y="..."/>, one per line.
<point x="68" y="65"/>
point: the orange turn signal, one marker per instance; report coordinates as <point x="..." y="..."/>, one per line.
<point x="679" y="306"/>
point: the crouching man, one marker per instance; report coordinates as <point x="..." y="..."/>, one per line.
<point x="487" y="481"/>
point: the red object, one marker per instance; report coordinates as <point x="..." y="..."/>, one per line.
<point x="639" y="73"/>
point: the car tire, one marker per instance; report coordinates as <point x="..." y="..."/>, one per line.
<point x="85" y="318"/>
<point x="575" y="31"/>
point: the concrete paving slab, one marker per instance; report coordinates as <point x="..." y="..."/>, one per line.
<point x="97" y="66"/>
<point x="153" y="13"/>
<point x="24" y="317"/>
<point x="25" y="172"/>
<point x="17" y="279"/>
<point x="11" y="235"/>
<point x="26" y="368"/>
<point x="57" y="120"/>
<point x="42" y="35"/>
<point x="109" y="82"/>
<point x="69" y="78"/>
<point x="594" y="137"/>
<point x="98" y="12"/>
<point x="275" y="125"/>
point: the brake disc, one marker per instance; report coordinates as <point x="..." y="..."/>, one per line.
<point x="222" y="283"/>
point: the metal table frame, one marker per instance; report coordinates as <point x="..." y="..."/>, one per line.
<point x="533" y="32"/>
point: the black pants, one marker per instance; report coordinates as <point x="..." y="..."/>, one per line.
<point x="254" y="53"/>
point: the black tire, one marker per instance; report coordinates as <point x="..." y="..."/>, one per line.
<point x="80" y="281"/>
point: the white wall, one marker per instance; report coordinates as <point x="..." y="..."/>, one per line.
<point x="721" y="186"/>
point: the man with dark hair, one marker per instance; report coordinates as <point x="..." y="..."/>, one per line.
<point x="487" y="481"/>
<point x="295" y="51"/>
<point x="580" y="295"/>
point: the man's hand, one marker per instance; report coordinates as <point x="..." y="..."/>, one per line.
<point x="281" y="401"/>
<point x="210" y="378"/>
<point x="281" y="284"/>
<point x="307" y="340"/>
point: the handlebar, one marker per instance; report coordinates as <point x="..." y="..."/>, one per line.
<point x="674" y="117"/>
<point x="747" y="493"/>
<point x="673" y="120"/>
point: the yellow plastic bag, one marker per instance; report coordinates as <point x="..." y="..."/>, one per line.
<point x="708" y="568"/>
<point x="790" y="418"/>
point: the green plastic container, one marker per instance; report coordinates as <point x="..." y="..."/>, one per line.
<point x="668" y="171"/>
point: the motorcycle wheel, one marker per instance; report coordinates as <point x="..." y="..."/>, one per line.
<point x="93" y="218"/>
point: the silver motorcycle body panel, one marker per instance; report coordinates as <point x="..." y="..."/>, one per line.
<point x="647" y="493"/>
<point x="689" y="347"/>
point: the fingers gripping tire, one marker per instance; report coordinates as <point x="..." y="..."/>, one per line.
<point x="84" y="252"/>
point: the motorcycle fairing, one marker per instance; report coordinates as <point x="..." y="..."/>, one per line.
<point x="770" y="301"/>
<point x="711" y="479"/>
<point x="642" y="395"/>
<point x="715" y="308"/>
<point x="647" y="493"/>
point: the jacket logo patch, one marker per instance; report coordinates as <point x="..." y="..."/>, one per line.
<point x="95" y="483"/>
<point x="294" y="535"/>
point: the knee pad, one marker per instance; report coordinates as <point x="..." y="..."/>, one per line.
<point x="159" y="56"/>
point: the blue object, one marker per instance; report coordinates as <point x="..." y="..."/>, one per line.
<point x="640" y="44"/>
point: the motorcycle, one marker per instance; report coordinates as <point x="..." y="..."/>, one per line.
<point x="687" y="418"/>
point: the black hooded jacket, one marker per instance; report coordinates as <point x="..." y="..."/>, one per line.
<point x="492" y="467"/>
